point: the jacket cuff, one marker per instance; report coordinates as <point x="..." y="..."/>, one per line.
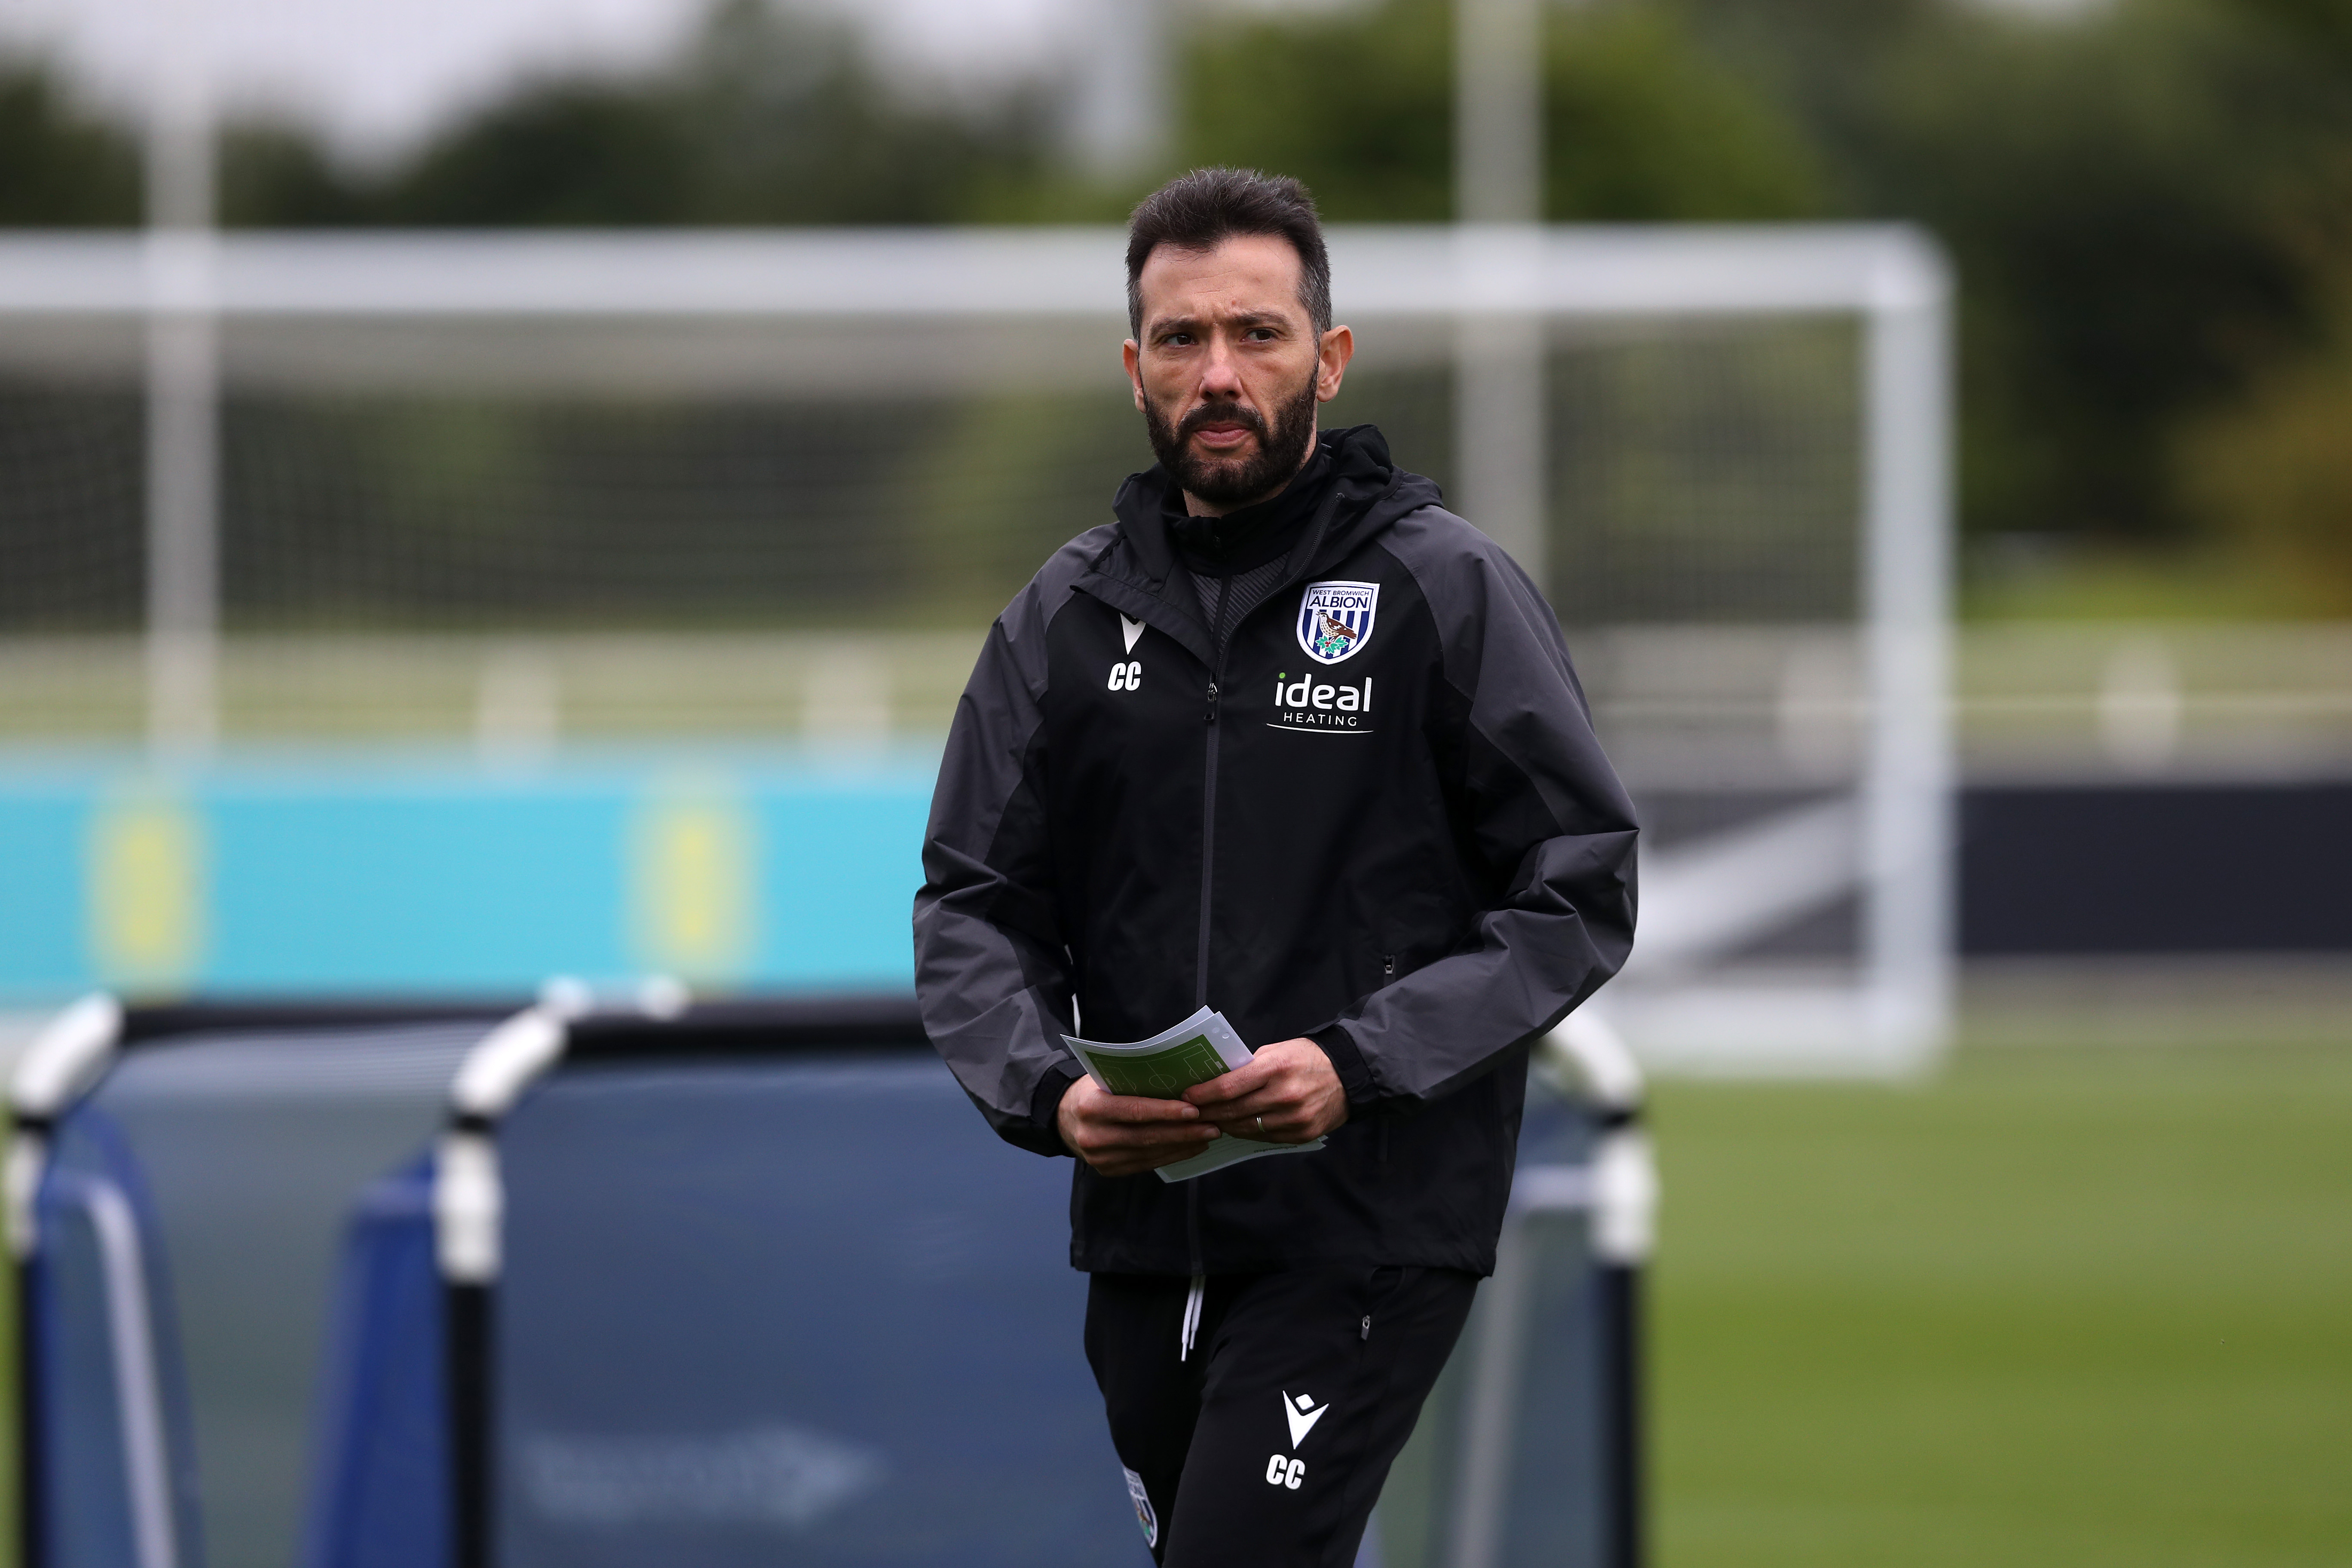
<point x="1355" y="1075"/>
<point x="1045" y="1106"/>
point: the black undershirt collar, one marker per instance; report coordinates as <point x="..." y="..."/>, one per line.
<point x="1249" y="536"/>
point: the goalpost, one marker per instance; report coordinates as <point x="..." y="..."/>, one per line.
<point x="758" y="486"/>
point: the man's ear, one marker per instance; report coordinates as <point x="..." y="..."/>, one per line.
<point x="1338" y="346"/>
<point x="1132" y="357"/>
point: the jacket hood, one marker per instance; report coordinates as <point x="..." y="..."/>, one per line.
<point x="1366" y="493"/>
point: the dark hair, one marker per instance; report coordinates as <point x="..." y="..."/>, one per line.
<point x="1201" y="210"/>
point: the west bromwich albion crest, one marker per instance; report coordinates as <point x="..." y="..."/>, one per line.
<point x="1335" y="619"/>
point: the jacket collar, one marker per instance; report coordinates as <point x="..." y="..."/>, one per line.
<point x="1138" y="576"/>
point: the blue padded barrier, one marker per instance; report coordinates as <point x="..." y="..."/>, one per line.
<point x="797" y="1308"/>
<point x="762" y="1309"/>
<point x="380" y="1491"/>
<point x="119" y="1485"/>
<point x="189" y="1213"/>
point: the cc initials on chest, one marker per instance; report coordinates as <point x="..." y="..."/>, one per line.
<point x="1127" y="675"/>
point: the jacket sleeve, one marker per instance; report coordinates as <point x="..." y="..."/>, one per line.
<point x="992" y="968"/>
<point x="1543" y="810"/>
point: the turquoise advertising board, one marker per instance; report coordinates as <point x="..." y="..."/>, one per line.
<point x="354" y="875"/>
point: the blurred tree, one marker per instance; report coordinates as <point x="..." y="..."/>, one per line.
<point x="2128" y="196"/>
<point x="577" y="152"/>
<point x="1644" y="123"/>
<point x="61" y="164"/>
<point x="771" y="117"/>
<point x="2327" y="24"/>
<point x="2102" y="192"/>
<point x="278" y="176"/>
<point x="2274" y="468"/>
<point x="1357" y="104"/>
<point x="1640" y="122"/>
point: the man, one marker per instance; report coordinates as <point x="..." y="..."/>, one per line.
<point x="1286" y="739"/>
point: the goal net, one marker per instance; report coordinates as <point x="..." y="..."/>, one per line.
<point x="516" y="492"/>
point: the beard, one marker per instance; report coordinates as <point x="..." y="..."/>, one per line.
<point x="1235" y="481"/>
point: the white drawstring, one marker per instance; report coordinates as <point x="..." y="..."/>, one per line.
<point x="1192" y="1317"/>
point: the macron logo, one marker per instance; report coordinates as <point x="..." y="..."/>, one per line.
<point x="1301" y="1414"/>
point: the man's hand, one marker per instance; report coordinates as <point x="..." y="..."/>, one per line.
<point x="1123" y="1135"/>
<point x="1285" y="1093"/>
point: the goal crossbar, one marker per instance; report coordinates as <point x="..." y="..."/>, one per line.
<point x="972" y="273"/>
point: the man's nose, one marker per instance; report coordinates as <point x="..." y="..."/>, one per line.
<point x="1221" y="377"/>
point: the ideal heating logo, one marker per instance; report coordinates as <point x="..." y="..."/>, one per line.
<point x="1335" y="706"/>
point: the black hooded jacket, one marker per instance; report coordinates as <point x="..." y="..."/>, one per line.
<point x="1375" y="816"/>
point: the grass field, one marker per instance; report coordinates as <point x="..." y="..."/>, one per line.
<point x="2063" y="1306"/>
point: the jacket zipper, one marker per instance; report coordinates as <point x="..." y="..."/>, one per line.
<point x="1208" y="844"/>
<point x="1208" y="858"/>
<point x="1209" y="799"/>
<point x="1208" y="883"/>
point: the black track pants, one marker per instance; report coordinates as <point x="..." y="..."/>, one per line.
<point x="1259" y="1421"/>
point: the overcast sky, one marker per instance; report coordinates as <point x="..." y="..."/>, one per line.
<point x="376" y="73"/>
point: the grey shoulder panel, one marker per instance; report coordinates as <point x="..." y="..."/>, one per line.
<point x="1470" y="581"/>
<point x="991" y="965"/>
<point x="1027" y="619"/>
<point x="1504" y="652"/>
<point x="1543" y="805"/>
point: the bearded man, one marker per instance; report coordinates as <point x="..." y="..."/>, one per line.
<point x="1289" y="739"/>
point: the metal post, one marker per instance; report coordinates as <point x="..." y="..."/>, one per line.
<point x="467" y="1369"/>
<point x="1588" y="1058"/>
<point x="469" y="1242"/>
<point x="1490" y="1411"/>
<point x="1120" y="119"/>
<point x="468" y="1220"/>
<point x="1498" y="399"/>
<point x="32" y="1425"/>
<point x="182" y="412"/>
<point x="1498" y="110"/>
<point x="1617" y="1301"/>
<point x="1908" y="833"/>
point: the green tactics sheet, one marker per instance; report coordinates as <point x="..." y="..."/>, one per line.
<point x="1201" y="1048"/>
<point x="1162" y="1075"/>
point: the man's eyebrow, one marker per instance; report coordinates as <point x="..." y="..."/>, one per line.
<point x="1245" y="318"/>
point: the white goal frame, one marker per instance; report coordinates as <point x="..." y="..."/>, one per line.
<point x="1891" y="842"/>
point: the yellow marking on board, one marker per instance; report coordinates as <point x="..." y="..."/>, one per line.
<point x="147" y="890"/>
<point x="695" y="885"/>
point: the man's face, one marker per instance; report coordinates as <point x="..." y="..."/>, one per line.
<point x="1229" y="368"/>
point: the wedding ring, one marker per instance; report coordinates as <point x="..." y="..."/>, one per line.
<point x="1261" y="1123"/>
